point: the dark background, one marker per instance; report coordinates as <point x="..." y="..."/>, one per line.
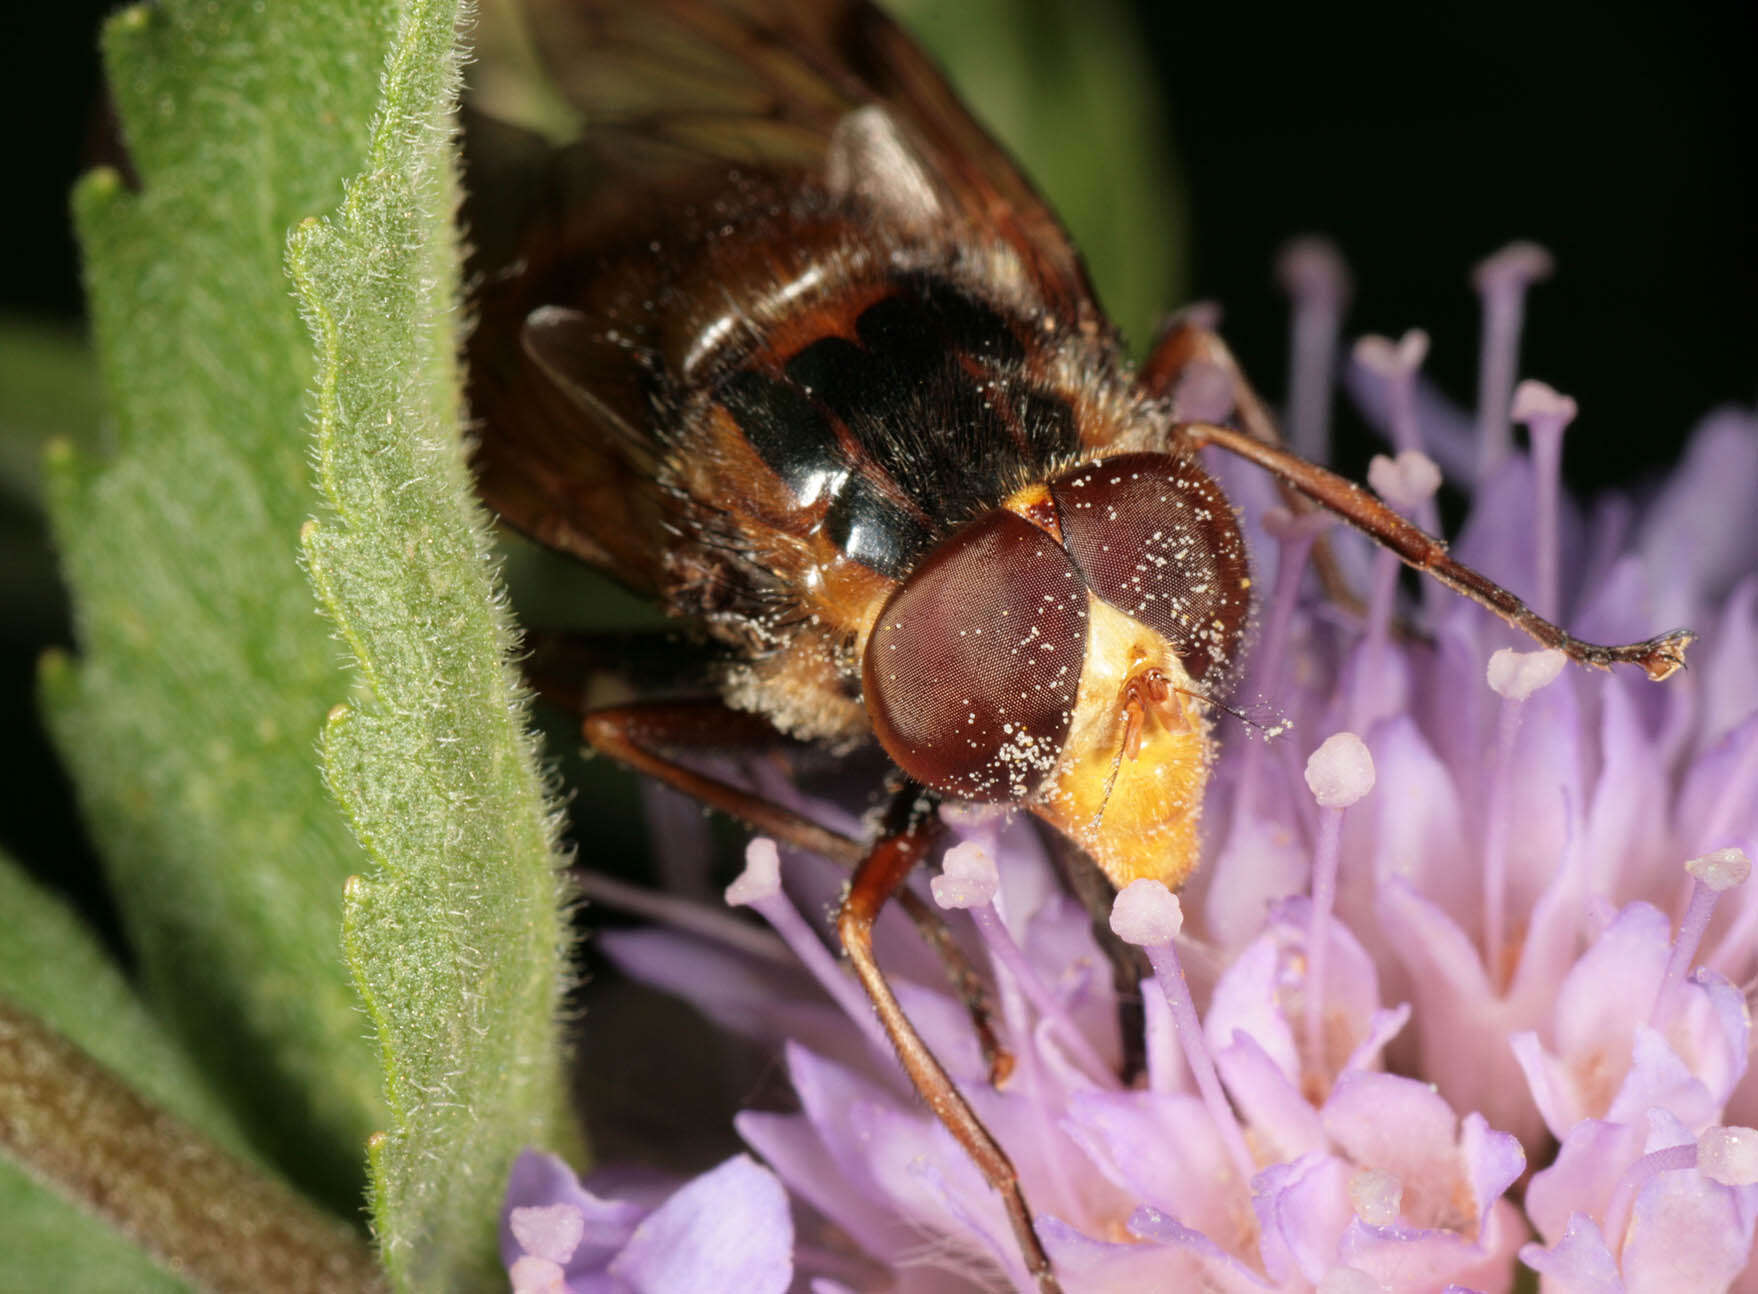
<point x="1420" y="137"/>
<point x="1621" y="135"/>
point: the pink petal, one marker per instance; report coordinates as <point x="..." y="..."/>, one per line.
<point x="727" y="1230"/>
<point x="1627" y="811"/>
<point x="1408" y="1258"/>
<point x="550" y="1231"/>
<point x="790" y="1144"/>
<point x="1281" y="1120"/>
<point x="1405" y="1128"/>
<point x="1551" y="1084"/>
<point x="1493" y="1161"/>
<point x="1582" y="1177"/>
<point x="539" y="1180"/>
<point x="1084" y="1263"/>
<point x="1419" y="832"/>
<point x="1263" y="861"/>
<point x="1595" y="1023"/>
<point x="1247" y="1000"/>
<point x="1687" y="1233"/>
<point x="1579" y="1264"/>
<point x="1060" y="946"/>
<point x="828" y="1094"/>
<point x="1657" y="1078"/>
<point x="1161" y="1150"/>
<point x="1462" y="1024"/>
<point x="741" y="994"/>
<point x="915" y="1165"/>
<point x="1718" y="478"/>
<point x="1730" y="674"/>
<point x="1303" y="1209"/>
<point x="1383" y="1026"/>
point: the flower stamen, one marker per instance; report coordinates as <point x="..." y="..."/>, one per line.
<point x="1514" y="676"/>
<point x="1712" y="875"/>
<point x="1502" y="279"/>
<point x="1546" y="415"/>
<point x="1295" y="534"/>
<point x="1339" y="773"/>
<point x="969" y="879"/>
<point x="1148" y="915"/>
<point x="1313" y="274"/>
<point x="1376" y="1196"/>
<point x="1729" y="1155"/>
<point x="1617" y="1213"/>
<point x="759" y="887"/>
<point x="1396" y="365"/>
<point x="1407" y="483"/>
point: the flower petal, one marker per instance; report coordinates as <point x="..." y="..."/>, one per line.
<point x="1303" y="1209"/>
<point x="1579" y="1264"/>
<point x="540" y="1180"/>
<point x="1687" y="1233"/>
<point x="1283" y="1123"/>
<point x="1580" y="1180"/>
<point x="728" y="1229"/>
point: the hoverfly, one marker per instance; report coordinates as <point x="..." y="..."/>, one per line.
<point x="779" y="337"/>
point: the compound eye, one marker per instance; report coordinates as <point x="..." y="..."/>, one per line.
<point x="972" y="670"/>
<point x="1154" y="536"/>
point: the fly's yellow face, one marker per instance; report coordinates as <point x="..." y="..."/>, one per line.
<point x="1128" y="788"/>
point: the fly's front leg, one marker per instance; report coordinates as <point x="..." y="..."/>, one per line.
<point x="1188" y="344"/>
<point x="1659" y="657"/>
<point x="639" y="735"/>
<point x="880" y="875"/>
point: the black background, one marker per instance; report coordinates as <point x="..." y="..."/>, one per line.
<point x="1420" y="137"/>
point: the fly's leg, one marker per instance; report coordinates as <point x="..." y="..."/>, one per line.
<point x="1187" y="343"/>
<point x="1659" y="657"/>
<point x="881" y="874"/>
<point x="637" y="736"/>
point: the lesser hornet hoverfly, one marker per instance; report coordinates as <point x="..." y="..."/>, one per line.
<point x="782" y="339"/>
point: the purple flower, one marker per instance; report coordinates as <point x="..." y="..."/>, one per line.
<point x="728" y="1229"/>
<point x="1457" y="992"/>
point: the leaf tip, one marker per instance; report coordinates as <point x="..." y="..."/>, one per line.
<point x="97" y="190"/>
<point x="299" y="238"/>
<point x="132" y="19"/>
<point x="54" y="667"/>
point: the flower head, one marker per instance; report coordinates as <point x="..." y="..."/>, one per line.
<point x="1461" y="967"/>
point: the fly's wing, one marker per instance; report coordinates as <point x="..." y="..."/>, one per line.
<point x="691" y="120"/>
<point x="765" y="83"/>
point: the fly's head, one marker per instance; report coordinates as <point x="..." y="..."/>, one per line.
<point x="1060" y="652"/>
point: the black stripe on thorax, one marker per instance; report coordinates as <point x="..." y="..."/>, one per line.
<point x="923" y="420"/>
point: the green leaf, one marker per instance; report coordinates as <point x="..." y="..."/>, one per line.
<point x="1065" y="85"/>
<point x="53" y="1245"/>
<point x="98" y="1101"/>
<point x="458" y="938"/>
<point x="191" y="717"/>
<point x="48" y="391"/>
<point x="51" y="966"/>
